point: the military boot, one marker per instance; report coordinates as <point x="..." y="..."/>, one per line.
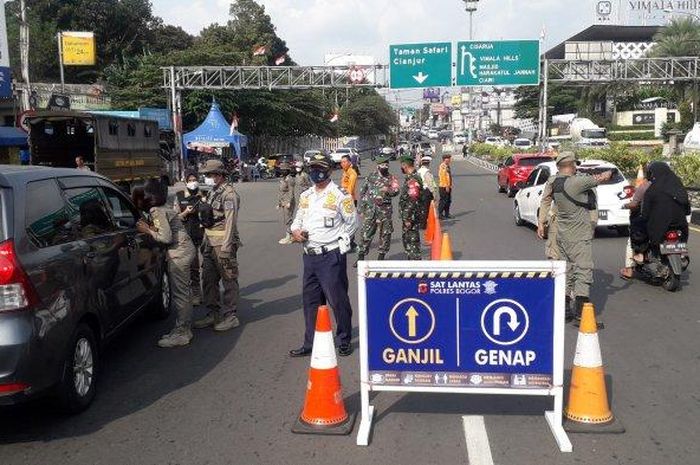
<point x="286" y="240"/>
<point x="178" y="337"/>
<point x="229" y="321"/>
<point x="210" y="320"/>
<point x="381" y="256"/>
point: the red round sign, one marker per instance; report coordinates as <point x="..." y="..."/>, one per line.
<point x="357" y="75"/>
<point x="22" y="122"/>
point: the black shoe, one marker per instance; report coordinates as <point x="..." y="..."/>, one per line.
<point x="381" y="256"/>
<point x="569" y="316"/>
<point x="300" y="352"/>
<point x="344" y="350"/>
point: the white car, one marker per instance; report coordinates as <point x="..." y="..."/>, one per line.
<point x="310" y="153"/>
<point x="522" y="143"/>
<point x="611" y="195"/>
<point x="433" y="134"/>
<point x="459" y="139"/>
<point x="494" y="140"/>
<point x="338" y="154"/>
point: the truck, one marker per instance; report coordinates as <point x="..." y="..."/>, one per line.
<point x="692" y="140"/>
<point x="585" y="133"/>
<point x="127" y="151"/>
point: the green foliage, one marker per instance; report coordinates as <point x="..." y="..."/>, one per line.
<point x="494" y="153"/>
<point x="641" y="127"/>
<point x="561" y="99"/>
<point x="621" y="155"/>
<point x="367" y="114"/>
<point x="681" y="38"/>
<point x="687" y="167"/>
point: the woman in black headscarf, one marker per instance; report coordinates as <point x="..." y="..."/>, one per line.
<point x="665" y="204"/>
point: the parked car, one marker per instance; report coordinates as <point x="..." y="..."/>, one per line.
<point x="74" y="272"/>
<point x="522" y="143"/>
<point x="388" y="152"/>
<point x="283" y="158"/>
<point x="517" y="168"/>
<point x="611" y="195"/>
<point x="495" y="140"/>
<point x="310" y="153"/>
<point x="433" y="134"/>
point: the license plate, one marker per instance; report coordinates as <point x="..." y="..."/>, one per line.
<point x="674" y="248"/>
<point x="602" y="214"/>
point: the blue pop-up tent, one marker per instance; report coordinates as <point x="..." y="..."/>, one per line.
<point x="214" y="133"/>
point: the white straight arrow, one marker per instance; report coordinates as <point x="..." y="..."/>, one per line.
<point x="420" y="77"/>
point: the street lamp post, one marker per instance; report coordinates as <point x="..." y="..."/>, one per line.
<point x="470" y="6"/>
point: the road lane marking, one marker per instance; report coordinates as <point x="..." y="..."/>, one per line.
<point x="478" y="447"/>
<point x="693" y="228"/>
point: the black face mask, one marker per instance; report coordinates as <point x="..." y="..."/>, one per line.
<point x="384" y="171"/>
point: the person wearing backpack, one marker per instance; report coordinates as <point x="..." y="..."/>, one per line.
<point x="574" y="196"/>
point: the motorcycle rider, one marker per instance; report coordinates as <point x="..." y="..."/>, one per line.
<point x="665" y="207"/>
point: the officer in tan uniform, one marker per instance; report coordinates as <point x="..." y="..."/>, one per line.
<point x="547" y="222"/>
<point x="219" y="216"/>
<point x="167" y="229"/>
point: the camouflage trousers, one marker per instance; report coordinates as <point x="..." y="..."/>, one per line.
<point x="411" y="241"/>
<point x="373" y="220"/>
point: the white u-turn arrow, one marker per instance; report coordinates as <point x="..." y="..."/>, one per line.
<point x="513" y="322"/>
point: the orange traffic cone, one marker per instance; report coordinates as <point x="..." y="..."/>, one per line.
<point x="436" y="249"/>
<point x="446" y="248"/>
<point x="430" y="227"/>
<point x="640" y="176"/>
<point x="588" y="410"/>
<point x="324" y="410"/>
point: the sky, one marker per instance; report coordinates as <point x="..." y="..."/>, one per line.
<point x="314" y="28"/>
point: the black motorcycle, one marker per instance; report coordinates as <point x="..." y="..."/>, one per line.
<point x="665" y="265"/>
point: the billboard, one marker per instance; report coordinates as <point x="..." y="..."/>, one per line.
<point x="78" y="48"/>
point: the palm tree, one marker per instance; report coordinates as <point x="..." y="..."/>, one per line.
<point x="681" y="38"/>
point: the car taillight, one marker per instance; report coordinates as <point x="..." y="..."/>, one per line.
<point x="673" y="236"/>
<point x="628" y="191"/>
<point x="16" y="291"/>
<point x="13" y="388"/>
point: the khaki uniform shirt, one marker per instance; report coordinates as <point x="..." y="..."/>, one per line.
<point x="575" y="222"/>
<point x="170" y="231"/>
<point x="225" y="202"/>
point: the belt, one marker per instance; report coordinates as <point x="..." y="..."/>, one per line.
<point x="214" y="233"/>
<point x="320" y="250"/>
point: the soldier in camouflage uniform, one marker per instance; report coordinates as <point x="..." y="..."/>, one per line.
<point x="376" y="208"/>
<point x="410" y="208"/>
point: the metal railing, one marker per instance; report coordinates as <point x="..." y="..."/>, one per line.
<point x="633" y="70"/>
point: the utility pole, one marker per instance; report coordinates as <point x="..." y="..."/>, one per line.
<point x="470" y="6"/>
<point x="24" y="54"/>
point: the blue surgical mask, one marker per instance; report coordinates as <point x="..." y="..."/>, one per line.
<point x="318" y="176"/>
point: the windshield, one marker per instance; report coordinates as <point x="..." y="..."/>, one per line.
<point x="593" y="133"/>
<point x="533" y="161"/>
<point x="343" y="151"/>
<point x="617" y="177"/>
<point x="522" y="143"/>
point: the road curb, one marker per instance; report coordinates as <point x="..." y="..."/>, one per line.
<point x="482" y="163"/>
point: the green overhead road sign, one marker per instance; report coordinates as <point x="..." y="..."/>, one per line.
<point x="420" y="65"/>
<point x="498" y="63"/>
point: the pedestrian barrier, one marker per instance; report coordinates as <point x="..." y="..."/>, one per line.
<point x="588" y="410"/>
<point x="446" y="248"/>
<point x="436" y="245"/>
<point x="640" y="176"/>
<point x="430" y="226"/>
<point x="324" y="410"/>
<point x="462" y="327"/>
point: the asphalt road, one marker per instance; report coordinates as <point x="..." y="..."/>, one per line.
<point x="232" y="398"/>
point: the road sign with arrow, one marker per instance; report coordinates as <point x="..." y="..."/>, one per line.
<point x="420" y="65"/>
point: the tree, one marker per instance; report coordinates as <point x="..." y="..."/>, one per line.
<point x="367" y="114"/>
<point x="251" y="27"/>
<point x="681" y="38"/>
<point x="561" y="100"/>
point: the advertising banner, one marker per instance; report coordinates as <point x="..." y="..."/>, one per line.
<point x="463" y="327"/>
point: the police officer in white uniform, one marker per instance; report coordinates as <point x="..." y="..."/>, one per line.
<point x="324" y="223"/>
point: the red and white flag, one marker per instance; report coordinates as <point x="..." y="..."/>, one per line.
<point x="259" y="50"/>
<point x="280" y="59"/>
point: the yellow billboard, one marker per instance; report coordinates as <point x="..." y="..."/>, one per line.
<point x="78" y="48"/>
<point x="456" y="100"/>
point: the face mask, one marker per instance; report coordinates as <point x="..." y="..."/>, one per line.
<point x="384" y="171"/>
<point x="209" y="181"/>
<point x="193" y="185"/>
<point x="318" y="176"/>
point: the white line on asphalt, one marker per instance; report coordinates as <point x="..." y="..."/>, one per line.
<point x="478" y="448"/>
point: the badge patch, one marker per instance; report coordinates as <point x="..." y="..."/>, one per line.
<point x="304" y="202"/>
<point x="229" y="205"/>
<point x="328" y="222"/>
<point x="331" y="202"/>
<point x="348" y="206"/>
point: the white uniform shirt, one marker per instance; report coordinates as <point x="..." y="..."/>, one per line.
<point x="428" y="180"/>
<point x="326" y="216"/>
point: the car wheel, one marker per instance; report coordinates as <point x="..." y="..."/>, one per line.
<point x="162" y="304"/>
<point x="78" y="384"/>
<point x="510" y="191"/>
<point x="623" y="231"/>
<point x="516" y="215"/>
<point x="501" y="189"/>
<point x="672" y="283"/>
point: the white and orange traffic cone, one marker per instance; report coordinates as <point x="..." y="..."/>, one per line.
<point x="446" y="248"/>
<point x="588" y="410"/>
<point x="324" y="410"/>
<point x="640" y="176"/>
<point x="430" y="225"/>
<point x="436" y="245"/>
